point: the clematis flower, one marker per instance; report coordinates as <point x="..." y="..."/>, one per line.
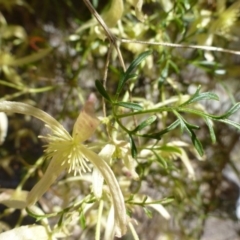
<point x="116" y="149"/>
<point x="68" y="152"/>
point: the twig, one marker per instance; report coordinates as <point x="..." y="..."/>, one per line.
<point x="105" y="77"/>
<point x="177" y="45"/>
<point x="112" y="38"/>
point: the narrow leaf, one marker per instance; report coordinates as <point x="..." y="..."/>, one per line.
<point x="145" y="123"/>
<point x="82" y="220"/>
<point x="127" y="75"/>
<point x="230" y="122"/>
<point x="161" y="161"/>
<point x="133" y="147"/>
<point x="205" y="96"/>
<point x="130" y="105"/>
<point x="211" y="130"/>
<point x="102" y="90"/>
<point x="137" y="61"/>
<point x="158" y="135"/>
<point x="186" y="126"/>
<point x="196" y="97"/>
<point x="60" y="221"/>
<point x="182" y="124"/>
<point x="197" y="144"/>
<point x="192" y="126"/>
<point x="231" y="111"/>
<point x="167" y="148"/>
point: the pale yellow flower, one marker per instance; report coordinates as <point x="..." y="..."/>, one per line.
<point x="68" y="152"/>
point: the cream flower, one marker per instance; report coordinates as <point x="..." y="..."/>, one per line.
<point x="117" y="149"/>
<point x="68" y="152"/>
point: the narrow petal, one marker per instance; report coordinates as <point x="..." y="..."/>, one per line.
<point x="109" y="230"/>
<point x="130" y="165"/>
<point x="86" y="123"/>
<point x="117" y="197"/>
<point x="53" y="171"/>
<point x="107" y="152"/>
<point x="97" y="183"/>
<point x="23" y="108"/>
<point x="97" y="178"/>
<point x="3" y="126"/>
<point x="186" y="161"/>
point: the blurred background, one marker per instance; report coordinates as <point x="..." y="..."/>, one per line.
<point x="51" y="56"/>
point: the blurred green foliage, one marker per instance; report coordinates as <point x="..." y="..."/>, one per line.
<point x="54" y="54"/>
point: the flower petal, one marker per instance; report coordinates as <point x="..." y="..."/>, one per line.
<point x="86" y="123"/>
<point x="97" y="183"/>
<point x="107" y="152"/>
<point x="23" y="108"/>
<point x="97" y="178"/>
<point x="109" y="231"/>
<point x="117" y="197"/>
<point x="130" y="164"/>
<point x="3" y="126"/>
<point x="53" y="171"/>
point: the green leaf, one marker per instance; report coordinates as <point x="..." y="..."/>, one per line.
<point x="192" y="126"/>
<point x="60" y="221"/>
<point x="158" y="135"/>
<point x="211" y="130"/>
<point x="197" y="144"/>
<point x="130" y="105"/>
<point x="133" y="147"/>
<point x="128" y="74"/>
<point x="231" y="111"/>
<point x="144" y="199"/>
<point x="164" y="201"/>
<point x="145" y="123"/>
<point x="184" y="124"/>
<point x="196" y="97"/>
<point x="161" y="161"/>
<point x="148" y="212"/>
<point x="102" y="90"/>
<point x="187" y="126"/>
<point x="230" y="122"/>
<point x="174" y="66"/>
<point x="164" y="74"/>
<point x="137" y="61"/>
<point x="82" y="220"/>
<point x="205" y="96"/>
<point x="165" y="163"/>
<point x="167" y="148"/>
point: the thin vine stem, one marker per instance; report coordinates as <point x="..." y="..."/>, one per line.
<point x="178" y="45"/>
<point x="111" y="37"/>
<point x="153" y="110"/>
